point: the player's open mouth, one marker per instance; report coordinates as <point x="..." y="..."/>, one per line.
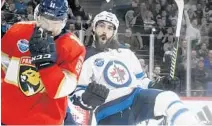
<point x="103" y="38"/>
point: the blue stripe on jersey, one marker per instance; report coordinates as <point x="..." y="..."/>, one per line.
<point x="177" y="114"/>
<point x="139" y="75"/>
<point x="82" y="86"/>
<point x="115" y="107"/>
<point x="174" y="102"/>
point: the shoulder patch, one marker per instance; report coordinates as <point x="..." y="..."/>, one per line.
<point x="99" y="62"/>
<point x="23" y="45"/>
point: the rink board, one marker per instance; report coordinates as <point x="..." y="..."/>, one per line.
<point x="200" y="106"/>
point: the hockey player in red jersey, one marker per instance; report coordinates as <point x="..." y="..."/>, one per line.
<point x="41" y="65"/>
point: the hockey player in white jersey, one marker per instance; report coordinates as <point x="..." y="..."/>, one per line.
<point x="113" y="84"/>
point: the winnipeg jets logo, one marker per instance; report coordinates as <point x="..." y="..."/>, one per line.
<point x="117" y="74"/>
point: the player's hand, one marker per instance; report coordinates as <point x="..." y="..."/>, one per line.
<point x="167" y="83"/>
<point x="171" y="83"/>
<point x="42" y="49"/>
<point x="95" y="94"/>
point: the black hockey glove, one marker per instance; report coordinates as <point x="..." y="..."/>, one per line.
<point x="95" y="95"/>
<point x="171" y="83"/>
<point x="167" y="83"/>
<point x="42" y="49"/>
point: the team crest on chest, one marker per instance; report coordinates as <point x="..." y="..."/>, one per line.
<point x="23" y="45"/>
<point x="117" y="74"/>
<point x="29" y="78"/>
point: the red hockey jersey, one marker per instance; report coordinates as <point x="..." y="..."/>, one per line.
<point x="37" y="97"/>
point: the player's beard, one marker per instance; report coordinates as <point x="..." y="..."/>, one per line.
<point x="102" y="42"/>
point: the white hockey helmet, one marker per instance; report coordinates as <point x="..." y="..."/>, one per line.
<point x="107" y="16"/>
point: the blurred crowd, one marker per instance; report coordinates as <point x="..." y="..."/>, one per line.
<point x="139" y="19"/>
<point x="23" y="10"/>
<point x="196" y="29"/>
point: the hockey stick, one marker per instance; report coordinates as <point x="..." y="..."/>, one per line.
<point x="180" y="5"/>
<point x="2" y="3"/>
<point x="91" y="112"/>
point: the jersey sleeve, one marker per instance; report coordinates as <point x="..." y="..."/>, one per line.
<point x="9" y="41"/>
<point x="86" y="74"/>
<point x="7" y="47"/>
<point x="4" y="64"/>
<point x="139" y="73"/>
<point x="84" y="79"/>
<point x="61" y="79"/>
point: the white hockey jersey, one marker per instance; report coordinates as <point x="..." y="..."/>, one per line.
<point x="119" y="70"/>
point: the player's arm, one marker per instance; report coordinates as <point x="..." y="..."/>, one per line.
<point x="60" y="82"/>
<point x="138" y="71"/>
<point x="59" y="79"/>
<point x="85" y="78"/>
<point x="199" y="38"/>
<point x="88" y="93"/>
<point x="7" y="48"/>
<point x="187" y="19"/>
<point x="5" y="60"/>
<point x="166" y="83"/>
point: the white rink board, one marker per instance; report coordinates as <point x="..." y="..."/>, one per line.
<point x="193" y="104"/>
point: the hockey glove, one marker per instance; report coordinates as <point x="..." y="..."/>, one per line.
<point x="95" y="95"/>
<point x="171" y="83"/>
<point x="167" y="83"/>
<point x="42" y="49"/>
